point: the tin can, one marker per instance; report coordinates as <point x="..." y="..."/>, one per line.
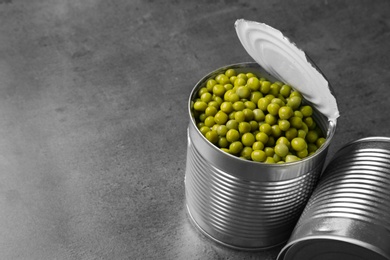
<point x="348" y="215"/>
<point x="244" y="204"/>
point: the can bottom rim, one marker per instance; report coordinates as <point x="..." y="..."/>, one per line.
<point x="209" y="236"/>
<point x="313" y="248"/>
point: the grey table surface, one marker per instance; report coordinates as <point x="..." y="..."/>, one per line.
<point x="93" y="113"/>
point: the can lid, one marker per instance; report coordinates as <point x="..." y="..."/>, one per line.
<point x="283" y="60"/>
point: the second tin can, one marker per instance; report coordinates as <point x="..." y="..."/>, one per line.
<point x="348" y="215"/>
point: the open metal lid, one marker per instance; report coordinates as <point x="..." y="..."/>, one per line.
<point x="283" y="60"/>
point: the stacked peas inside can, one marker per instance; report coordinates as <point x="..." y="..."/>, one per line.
<point x="256" y="119"/>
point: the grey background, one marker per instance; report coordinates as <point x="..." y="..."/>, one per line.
<point x="93" y="113"/>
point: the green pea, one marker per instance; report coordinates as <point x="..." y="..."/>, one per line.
<point x="265" y="86"/>
<point x="271" y="119"/>
<point x="312" y="136"/>
<point x="296" y="122"/>
<point x="308" y="121"/>
<point x="298" y="144"/>
<point x="278" y="101"/>
<point x="273" y="108"/>
<point x="258" y="115"/>
<point x="250" y="105"/>
<point x="291" y="133"/>
<point x="235" y="147"/>
<point x="254" y="125"/>
<point x="211" y="111"/>
<point x="269" y="151"/>
<point x="270" y="142"/>
<point x="214" y="103"/>
<point x="302" y="133"/>
<point x="222" y="130"/>
<point x="283" y="140"/>
<point x="298" y="114"/>
<point x="232" y="124"/>
<point x="285" y="90"/>
<point x="248" y="114"/>
<point x="232" y="135"/>
<point x="243" y="92"/>
<point x="255" y="96"/>
<point x="303" y="154"/>
<point x="222" y="142"/>
<point x="227" y="107"/>
<point x="263" y="103"/>
<point x="270" y="97"/>
<point x="276" y="131"/>
<point x="246" y="152"/>
<point x="218" y="99"/>
<point x="285" y="112"/>
<point x="320" y="141"/>
<point x="230" y="72"/>
<point x="226" y="150"/>
<point x="206" y="97"/>
<point x="210" y="84"/>
<point x="306" y="111"/>
<point x="204" y="130"/>
<point x="209" y="121"/>
<point x="238" y="105"/>
<point x="212" y="136"/>
<point x="266" y="128"/>
<point x="239" y="81"/>
<point x="248" y="139"/>
<point x="219" y="90"/>
<point x="200" y="105"/>
<point x="296" y="94"/>
<point x="239" y="116"/>
<point x="228" y="86"/>
<point x="220" y="118"/>
<point x="269" y="160"/>
<point x="257" y="145"/>
<point x="284" y="125"/>
<point x="222" y="79"/>
<point x="242" y="76"/>
<point x="199" y="125"/>
<point x="250" y="75"/>
<point x="234" y="97"/>
<point x="244" y="127"/>
<point x="258" y="156"/>
<point x="232" y="79"/>
<point x="202" y="91"/>
<point x="232" y="115"/>
<point x="253" y="83"/>
<point x="294" y="102"/>
<point x="215" y="127"/>
<point x="311" y="147"/>
<point x="291" y="158"/>
<point x="202" y="117"/>
<point x="281" y="150"/>
<point x="274" y="89"/>
<point x="304" y="127"/>
<point x="262" y="137"/>
<point x="276" y="158"/>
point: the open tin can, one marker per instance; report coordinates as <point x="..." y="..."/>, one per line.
<point x="348" y="215"/>
<point x="245" y="204"/>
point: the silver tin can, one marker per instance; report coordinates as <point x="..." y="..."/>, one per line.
<point x="348" y="215"/>
<point x="244" y="204"/>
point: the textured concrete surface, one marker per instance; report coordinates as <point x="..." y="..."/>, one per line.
<point x="93" y="99"/>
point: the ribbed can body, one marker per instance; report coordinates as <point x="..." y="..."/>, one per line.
<point x="350" y="206"/>
<point x="245" y="204"/>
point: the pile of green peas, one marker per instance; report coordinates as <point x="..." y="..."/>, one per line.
<point x="256" y="119"/>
